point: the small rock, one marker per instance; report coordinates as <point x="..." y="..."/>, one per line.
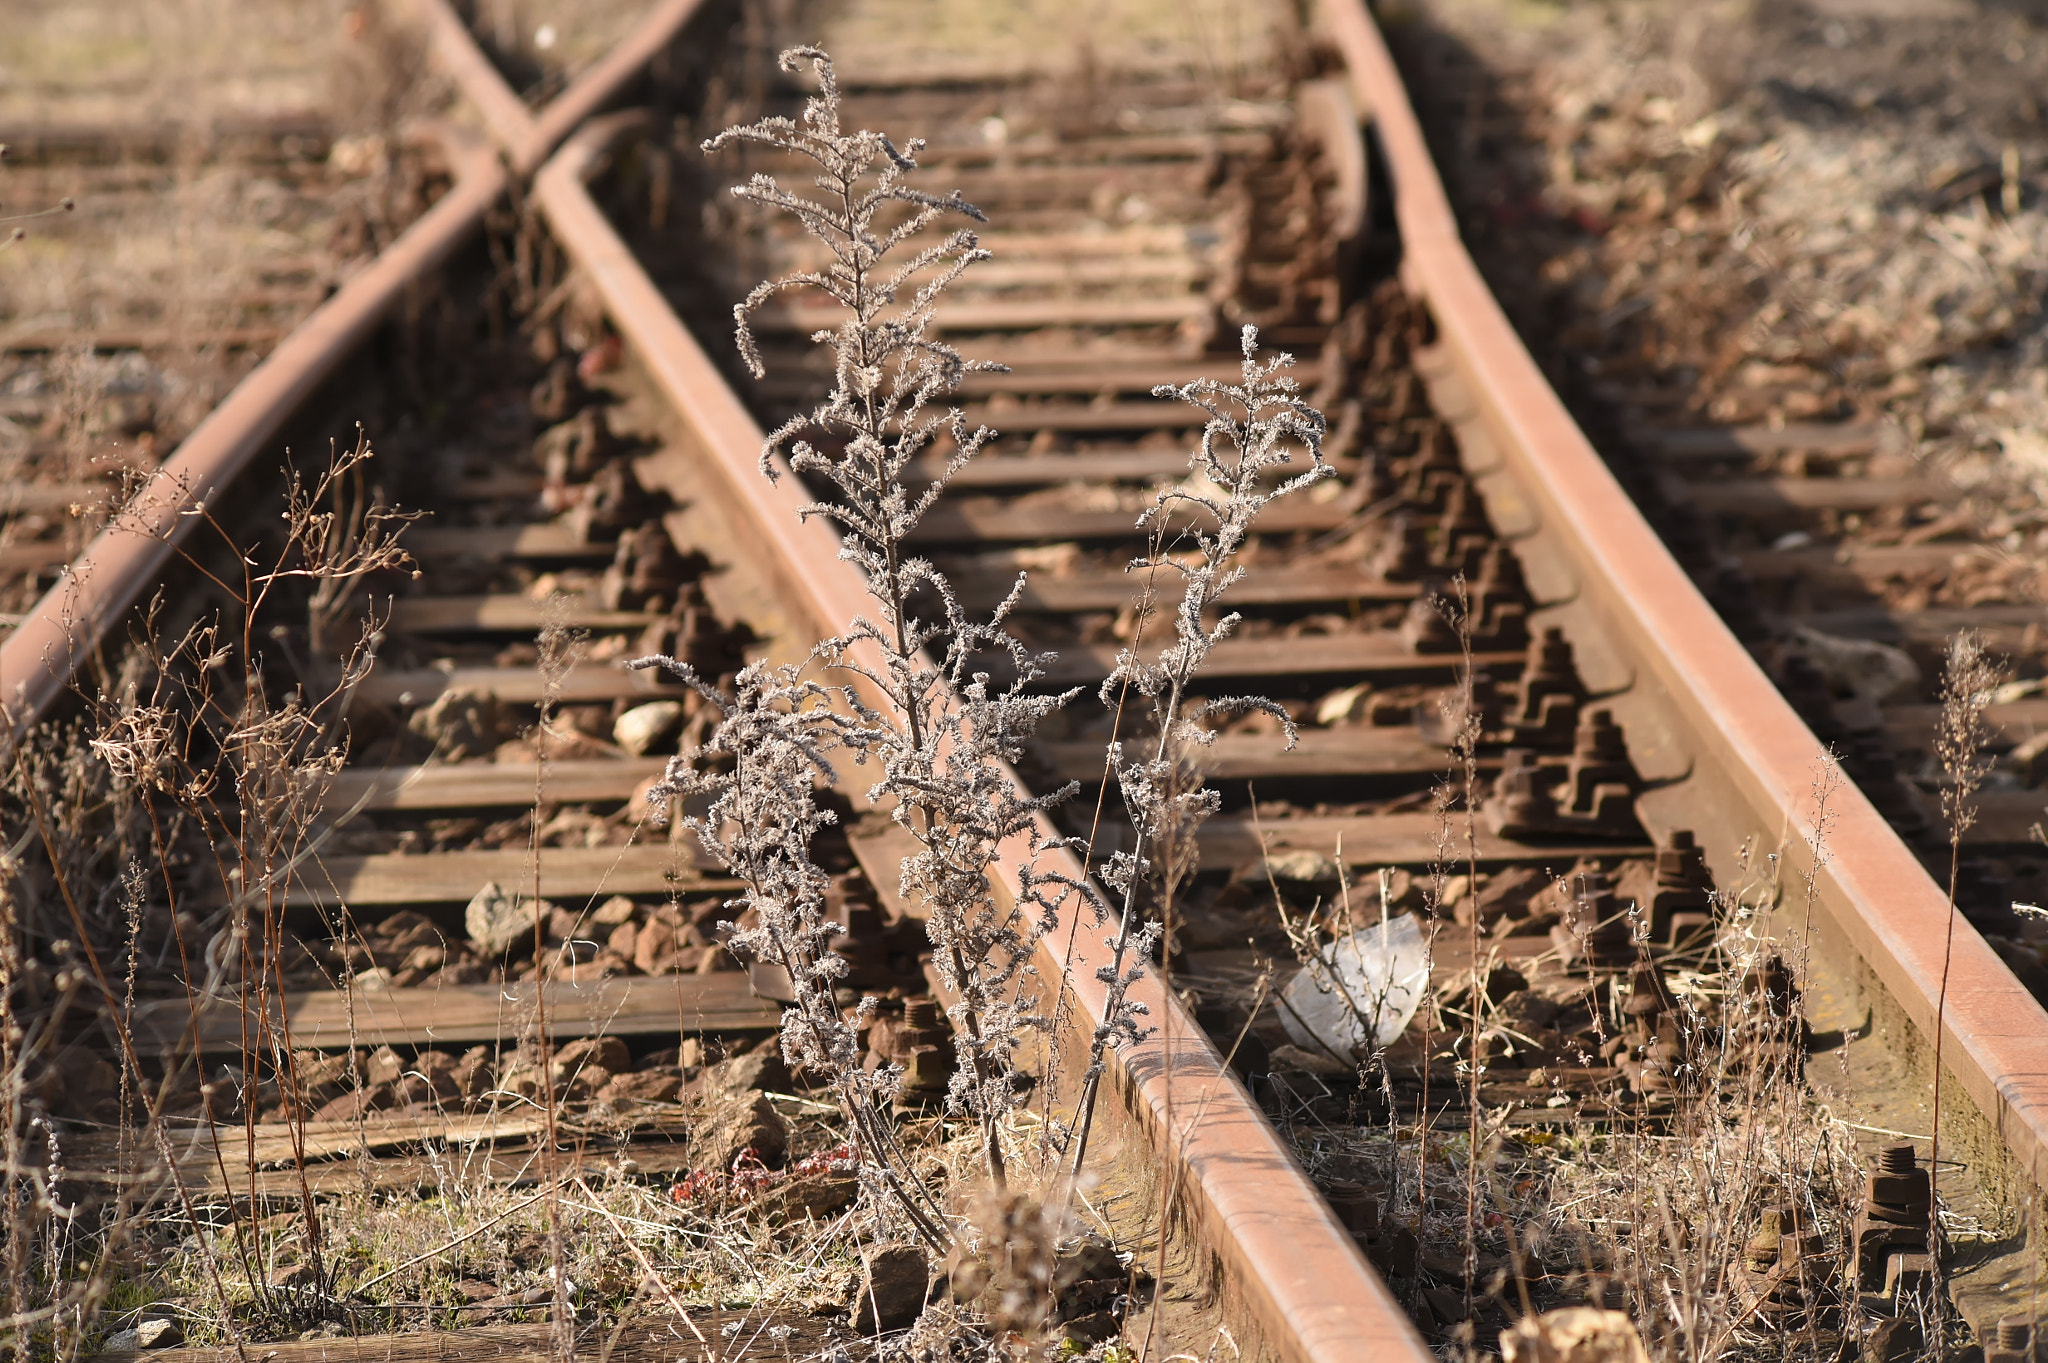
<point x="424" y="960"/>
<point x="474" y="1073"/>
<point x="606" y="1051"/>
<point x="1303" y="865"/>
<point x="1576" y="1334"/>
<point x="440" y="1070"/>
<point x="645" y="728"/>
<point x="763" y="1070"/>
<point x="585" y="1083"/>
<point x="1286" y="1057"/>
<point x="1087" y="1261"/>
<point x="642" y="1086"/>
<point x="658" y="810"/>
<point x="817" y="1197"/>
<point x="406" y="930"/>
<point x="1863" y="667"/>
<point x="123" y="1342"/>
<point x="292" y="1275"/>
<point x="476" y="1289"/>
<point x="667" y="943"/>
<point x="497" y="918"/>
<point x="731" y="1128"/>
<point x="521" y="1078"/>
<point x="565" y="925"/>
<point x="461" y="723"/>
<point x="357" y="1103"/>
<point x="160" y="1333"/>
<point x="385" y="1066"/>
<point x="614" y="911"/>
<point x="323" y="1078"/>
<point x="893" y="1283"/>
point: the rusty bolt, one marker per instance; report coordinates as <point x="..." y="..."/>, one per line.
<point x="1355" y="1206"/>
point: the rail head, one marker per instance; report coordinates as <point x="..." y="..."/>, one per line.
<point x="1882" y="898"/>
<point x="1292" y="1271"/>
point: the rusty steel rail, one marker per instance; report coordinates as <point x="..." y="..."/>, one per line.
<point x="524" y="136"/>
<point x="1287" y="1272"/>
<point x="117" y="568"/>
<point x="1290" y="1280"/>
<point x="131" y="554"/>
<point x="1753" y="755"/>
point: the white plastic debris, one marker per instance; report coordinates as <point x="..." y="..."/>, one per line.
<point x="1371" y="984"/>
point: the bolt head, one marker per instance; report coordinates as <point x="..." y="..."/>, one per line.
<point x="1899" y="1190"/>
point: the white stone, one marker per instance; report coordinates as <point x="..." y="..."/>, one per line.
<point x="1301" y="864"/>
<point x="496" y="918"/>
<point x="644" y="727"/>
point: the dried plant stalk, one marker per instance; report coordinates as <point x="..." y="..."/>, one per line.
<point x="925" y="710"/>
<point x="1254" y="431"/>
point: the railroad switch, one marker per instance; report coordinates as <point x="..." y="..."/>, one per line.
<point x="1444" y="729"/>
<point x="1463" y="533"/>
<point x="1373" y="483"/>
<point x="1521" y="802"/>
<point x="1400" y="399"/>
<point x="1499" y="604"/>
<point x="1893" y="1227"/>
<point x="1434" y="469"/>
<point x="691" y="632"/>
<point x="1540" y="712"/>
<point x="1356" y="1205"/>
<point x="1762" y="1031"/>
<point x="1600" y="781"/>
<point x="1770" y="986"/>
<point x="571" y="453"/>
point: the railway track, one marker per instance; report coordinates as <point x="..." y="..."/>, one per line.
<point x="595" y="498"/>
<point x="1821" y="519"/>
